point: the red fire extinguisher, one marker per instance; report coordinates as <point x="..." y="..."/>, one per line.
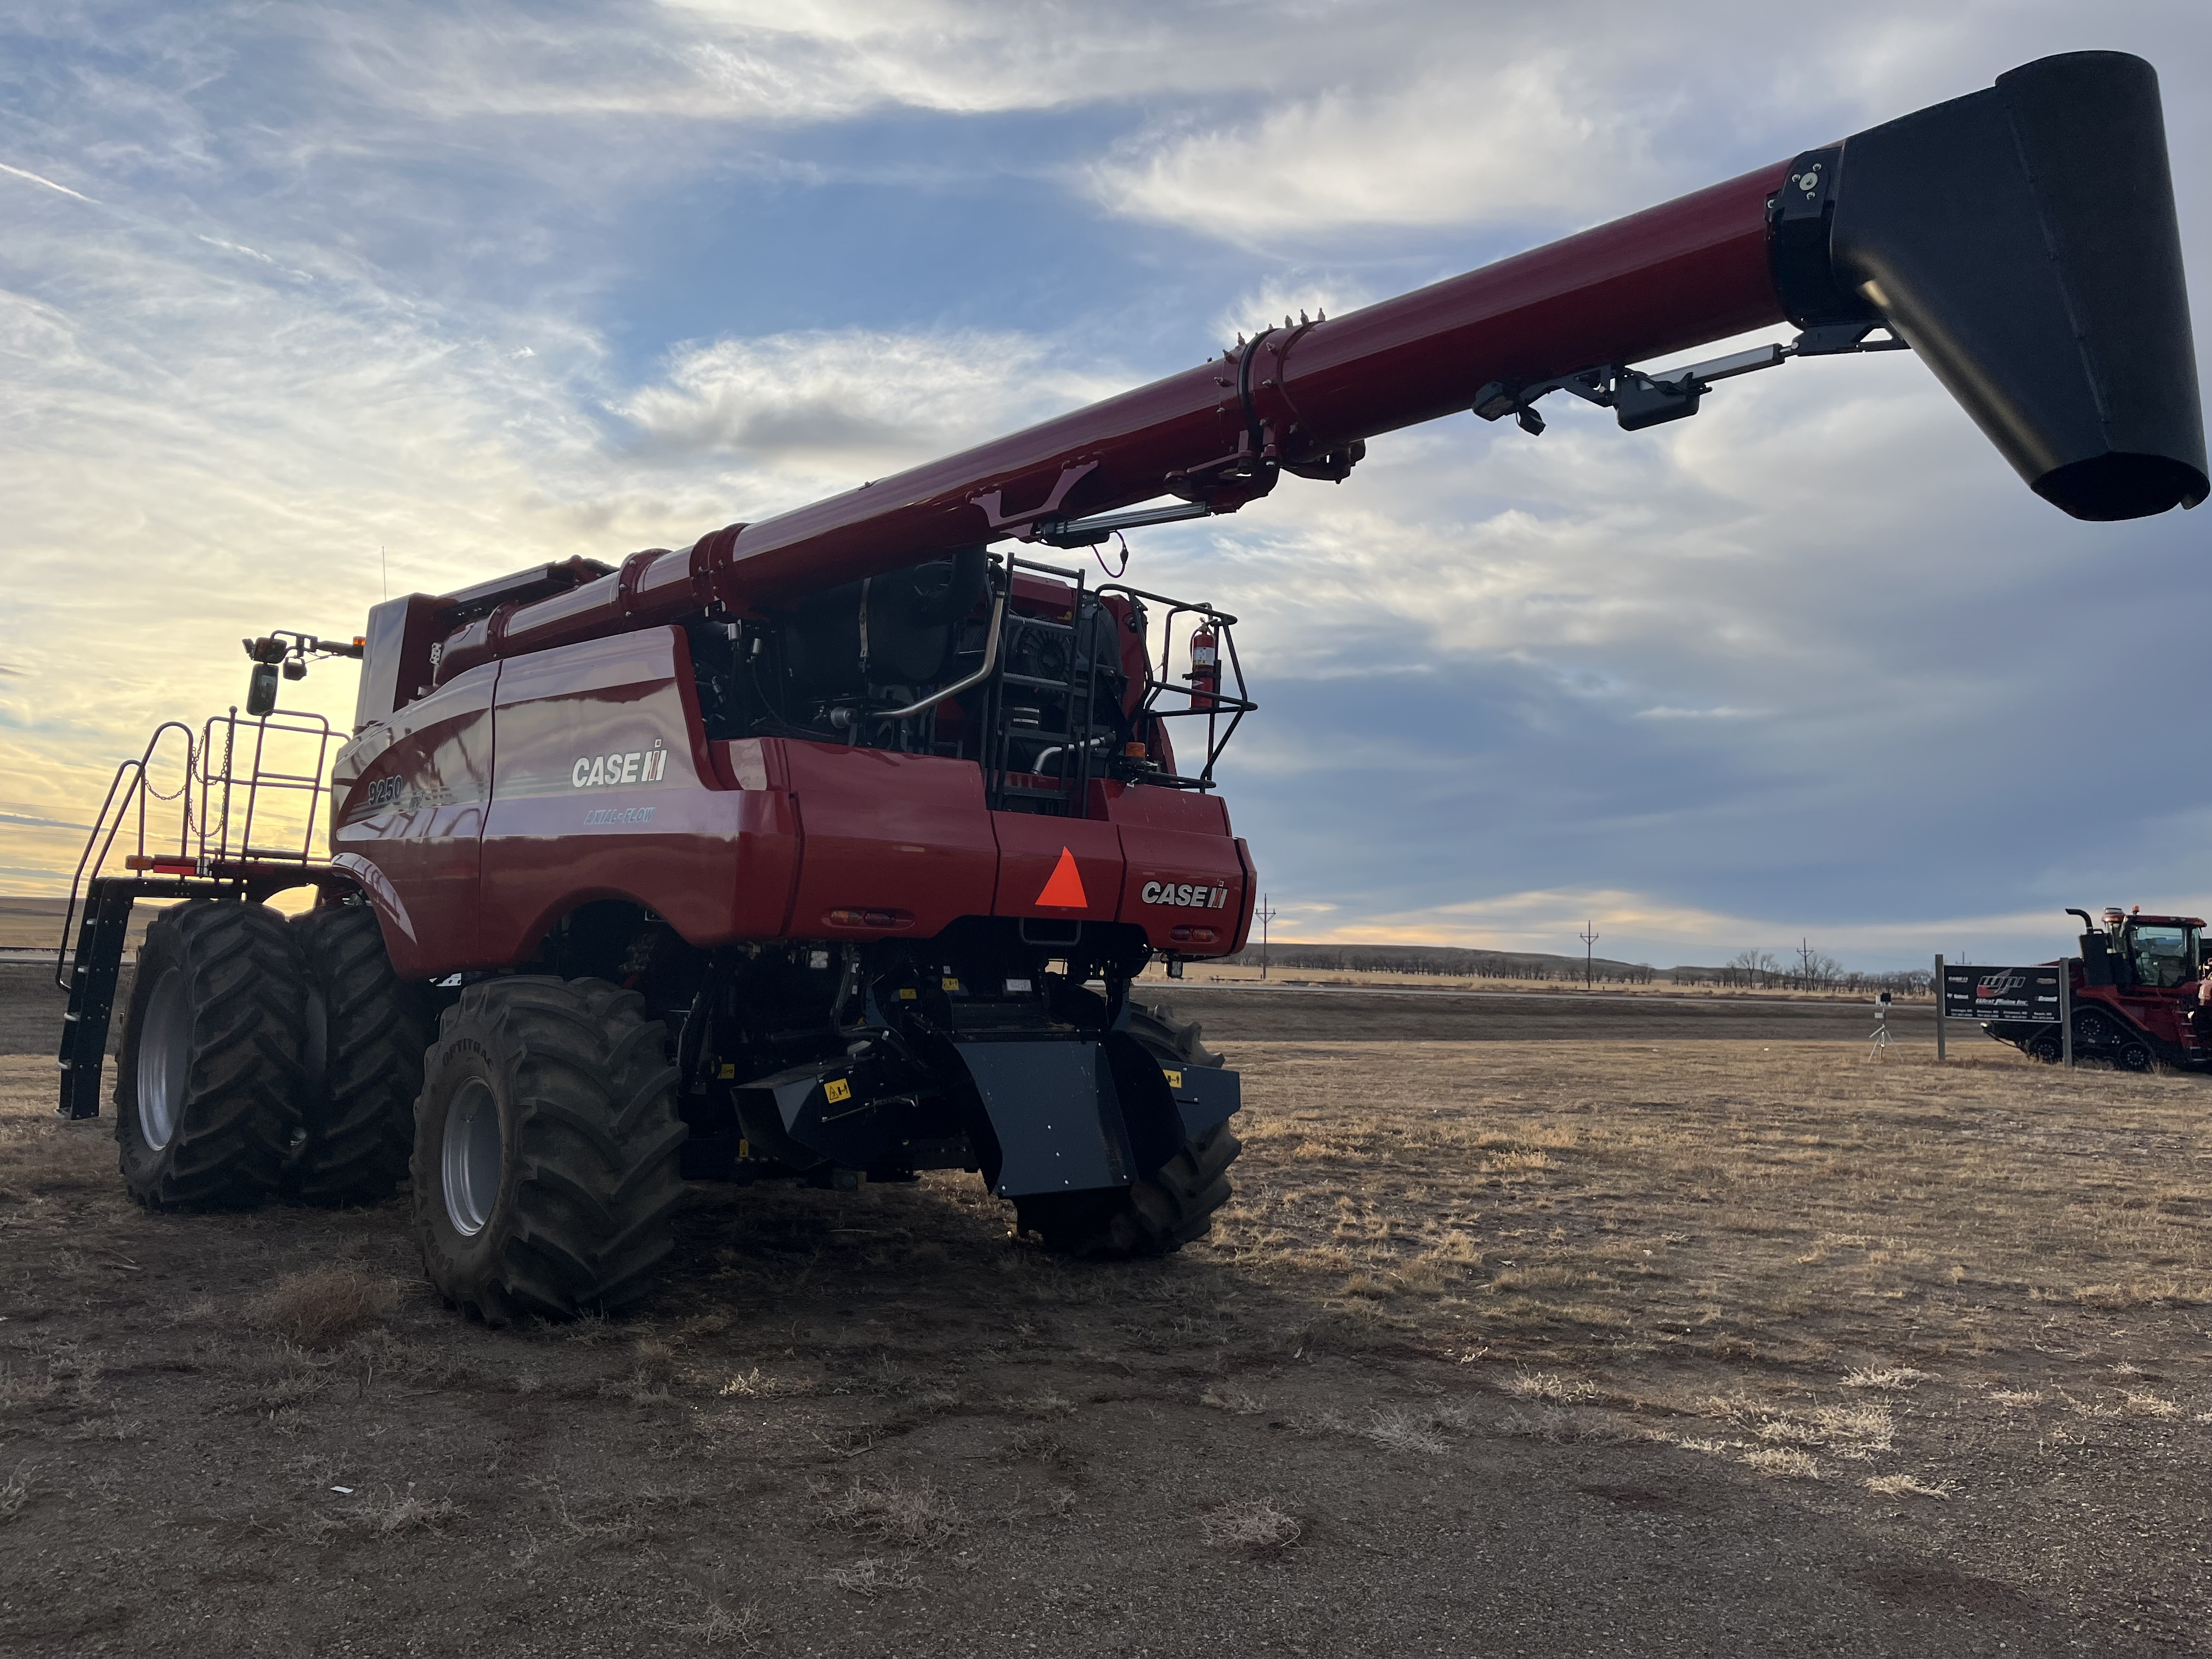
<point x="1205" y="676"/>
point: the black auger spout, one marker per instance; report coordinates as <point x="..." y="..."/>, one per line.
<point x="2022" y="239"/>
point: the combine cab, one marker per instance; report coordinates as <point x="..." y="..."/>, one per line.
<point x="2134" y="991"/>
<point x="830" y="846"/>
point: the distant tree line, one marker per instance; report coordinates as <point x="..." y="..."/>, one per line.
<point x="1805" y="969"/>
<point x="1445" y="962"/>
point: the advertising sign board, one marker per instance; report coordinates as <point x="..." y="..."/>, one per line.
<point x="2028" y="996"/>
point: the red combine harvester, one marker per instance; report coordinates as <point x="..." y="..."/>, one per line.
<point x="2133" y="991"/>
<point x="831" y="846"/>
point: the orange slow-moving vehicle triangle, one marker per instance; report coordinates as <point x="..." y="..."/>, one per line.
<point x="1064" y="891"/>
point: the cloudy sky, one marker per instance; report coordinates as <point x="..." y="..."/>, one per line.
<point x="296" y="301"/>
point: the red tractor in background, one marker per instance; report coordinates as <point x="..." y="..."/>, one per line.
<point x="831" y="847"/>
<point x="2134" y="991"/>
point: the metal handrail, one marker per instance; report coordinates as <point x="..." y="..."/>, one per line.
<point x="1078" y="687"/>
<point x="1220" y="701"/>
<point x="97" y="846"/>
<point x="203" y="838"/>
<point x="254" y="780"/>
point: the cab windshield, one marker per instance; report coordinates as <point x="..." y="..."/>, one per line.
<point x="2164" y="956"/>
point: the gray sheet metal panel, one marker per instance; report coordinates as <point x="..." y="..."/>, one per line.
<point x="1053" y="1107"/>
<point x="1204" y="1096"/>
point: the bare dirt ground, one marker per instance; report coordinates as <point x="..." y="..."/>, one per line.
<point x="1505" y="1347"/>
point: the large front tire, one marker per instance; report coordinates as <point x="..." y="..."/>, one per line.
<point x="546" y="1148"/>
<point x="1159" y="1213"/>
<point x="368" y="1034"/>
<point x="207" y="1085"/>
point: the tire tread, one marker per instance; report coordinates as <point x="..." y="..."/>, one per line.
<point x="235" y="1124"/>
<point x="359" y="1119"/>
<point x="600" y="1177"/>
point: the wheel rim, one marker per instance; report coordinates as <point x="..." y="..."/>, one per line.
<point x="164" y="1056"/>
<point x="473" y="1158"/>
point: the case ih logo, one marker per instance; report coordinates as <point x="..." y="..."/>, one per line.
<point x="1184" y="896"/>
<point x="606" y="771"/>
<point x="1999" y="985"/>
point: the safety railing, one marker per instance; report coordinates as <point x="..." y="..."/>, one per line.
<point x="1214" y="694"/>
<point x="242" y="792"/>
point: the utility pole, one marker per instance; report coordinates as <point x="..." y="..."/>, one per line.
<point x="1266" y="915"/>
<point x="1590" y="936"/>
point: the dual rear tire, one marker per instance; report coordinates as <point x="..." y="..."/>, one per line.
<point x="262" y="1060"/>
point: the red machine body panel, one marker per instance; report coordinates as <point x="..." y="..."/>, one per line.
<point x="754" y="772"/>
<point x="407" y="804"/>
<point x="1068" y="869"/>
<point x="751" y="839"/>
<point x="1186" y="879"/>
<point x="1187" y="889"/>
<point x="902" y="837"/>
<point x="604" y="790"/>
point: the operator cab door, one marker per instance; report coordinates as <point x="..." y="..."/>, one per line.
<point x="2162" y="959"/>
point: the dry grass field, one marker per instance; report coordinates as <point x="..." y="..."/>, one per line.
<point x="1503" y="1348"/>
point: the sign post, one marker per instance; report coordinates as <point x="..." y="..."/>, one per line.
<point x="1939" y="1006"/>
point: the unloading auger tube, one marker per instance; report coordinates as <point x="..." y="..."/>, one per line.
<point x="2022" y="239"/>
<point x="833" y="845"/>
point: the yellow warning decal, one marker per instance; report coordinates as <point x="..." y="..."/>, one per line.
<point x="838" y="1089"/>
<point x="908" y="994"/>
<point x="1175" y="1079"/>
<point x="728" y="1070"/>
<point x="952" y="984"/>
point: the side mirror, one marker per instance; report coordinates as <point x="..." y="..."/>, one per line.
<point x="261" y="690"/>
